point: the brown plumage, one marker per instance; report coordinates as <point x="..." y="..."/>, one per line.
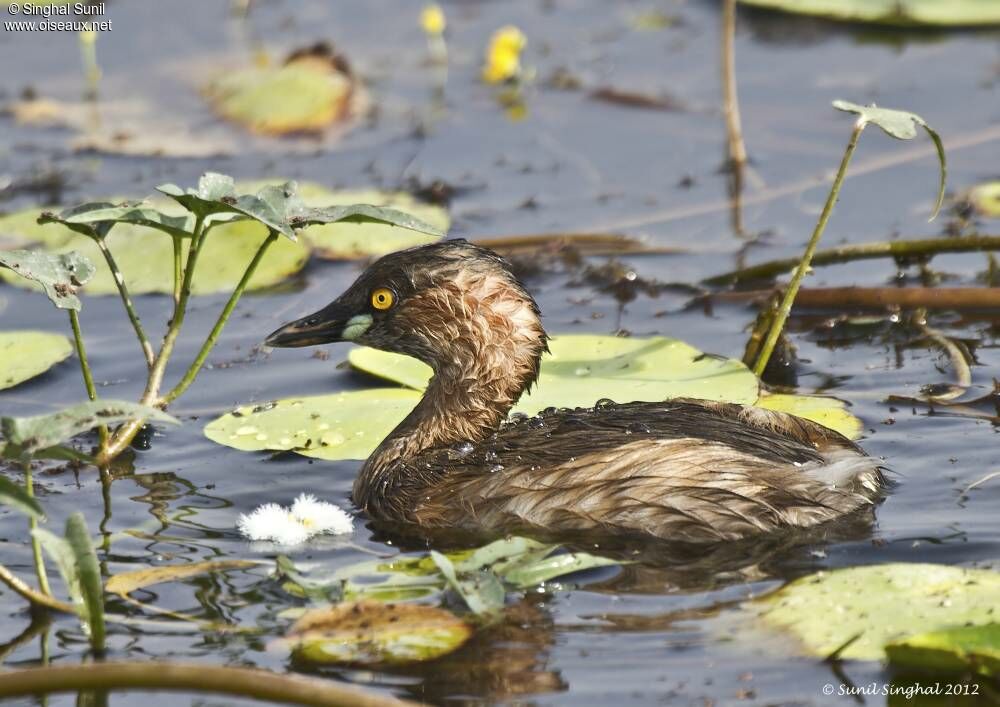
<point x="685" y="470"/>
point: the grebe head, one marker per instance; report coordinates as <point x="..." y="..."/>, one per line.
<point x="454" y="305"/>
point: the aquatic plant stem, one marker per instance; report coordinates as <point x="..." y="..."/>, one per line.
<point x="190" y="677"/>
<point x="734" y="129"/>
<point x="737" y="151"/>
<point x="124" y="435"/>
<point x="147" y="348"/>
<point x="917" y="248"/>
<point x="213" y="335"/>
<point x="785" y="308"/>
<point x="88" y="378"/>
<point x="36" y="547"/>
<point x="33" y="595"/>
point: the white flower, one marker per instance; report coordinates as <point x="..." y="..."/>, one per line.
<point x="321" y="517"/>
<point x="307" y="517"/>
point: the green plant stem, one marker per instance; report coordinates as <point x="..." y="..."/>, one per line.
<point x="147" y="348"/>
<point x="793" y="287"/>
<point x="213" y="336"/>
<point x="124" y="435"/>
<point x="917" y="248"/>
<point x="33" y="595"/>
<point x="178" y="273"/>
<point x="88" y="378"/>
<point x="190" y="677"/>
<point x="36" y="547"/>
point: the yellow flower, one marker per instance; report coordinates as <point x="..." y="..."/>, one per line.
<point x="432" y="19"/>
<point x="503" y="56"/>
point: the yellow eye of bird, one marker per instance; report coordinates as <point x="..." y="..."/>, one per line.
<point x="382" y="298"/>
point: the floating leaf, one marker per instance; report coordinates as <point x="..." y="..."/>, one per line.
<point x="338" y="241"/>
<point x="542" y="570"/>
<point x="582" y="369"/>
<point x="827" y="411"/>
<point x="128" y="582"/>
<point x="901" y="125"/>
<point x="954" y="13"/>
<point x="59" y="274"/>
<point x="480" y="589"/>
<point x="27" y="435"/>
<point x="878" y="604"/>
<point x="964" y="650"/>
<point x="307" y="94"/>
<point x="985" y="198"/>
<point x="26" y="354"/>
<point x="88" y="572"/>
<point x="340" y="426"/>
<point x="16" y="497"/>
<point x="372" y="633"/>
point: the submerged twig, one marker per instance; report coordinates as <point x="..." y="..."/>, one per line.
<point x="164" y="675"/>
<point x="959" y="363"/>
<point x="33" y="595"/>
<point x="841" y="298"/>
<point x="843" y="254"/>
<point x="980" y="482"/>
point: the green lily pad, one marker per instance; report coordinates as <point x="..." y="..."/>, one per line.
<point x="145" y="255"/>
<point x="345" y="240"/>
<point x="345" y="425"/>
<point x="26" y="354"/>
<point x="582" y="369"/>
<point x="306" y="95"/>
<point x="962" y="650"/>
<point x="986" y="199"/>
<point x="954" y="13"/>
<point x="373" y="633"/>
<point x="877" y="604"/>
<point x="828" y="412"/>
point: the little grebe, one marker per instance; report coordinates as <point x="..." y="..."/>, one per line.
<point x="685" y="470"/>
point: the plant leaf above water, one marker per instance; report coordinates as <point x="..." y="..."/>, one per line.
<point x="372" y="633"/>
<point x="963" y="650"/>
<point x="14" y="496"/>
<point x="145" y="255"/>
<point x="901" y="125"/>
<point x="88" y="573"/>
<point x="346" y="240"/>
<point x="957" y="13"/>
<point x="59" y="274"/>
<point x="26" y="354"/>
<point x="28" y="435"/>
<point x="878" y="603"/>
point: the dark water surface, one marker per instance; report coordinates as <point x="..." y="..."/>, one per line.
<point x="644" y="635"/>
